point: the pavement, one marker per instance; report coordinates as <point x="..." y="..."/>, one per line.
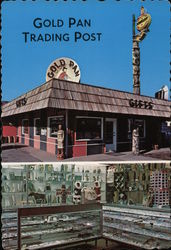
<point x="22" y="153"/>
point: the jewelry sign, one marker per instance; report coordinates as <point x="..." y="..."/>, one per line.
<point x="64" y="69"/>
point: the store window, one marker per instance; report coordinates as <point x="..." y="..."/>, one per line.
<point x="53" y="124"/>
<point x="89" y="128"/>
<point x="136" y="123"/>
<point x="37" y="128"/>
<point x="25" y="126"/>
<point x="141" y="125"/>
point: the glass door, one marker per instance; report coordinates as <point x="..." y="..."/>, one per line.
<point x="110" y="134"/>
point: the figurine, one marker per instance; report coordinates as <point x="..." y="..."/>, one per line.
<point x="63" y="192"/>
<point x="77" y="193"/>
<point x="89" y="195"/>
<point x="60" y="141"/>
<point x="38" y="196"/>
<point x="135" y="141"/>
<point x="97" y="189"/>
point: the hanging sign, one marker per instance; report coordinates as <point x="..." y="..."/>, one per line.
<point x="21" y="102"/>
<point x="140" y="104"/>
<point x="64" y="69"/>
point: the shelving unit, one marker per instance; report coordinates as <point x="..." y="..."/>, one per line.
<point x="30" y="185"/>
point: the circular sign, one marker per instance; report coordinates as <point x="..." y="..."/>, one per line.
<point x="143" y="22"/>
<point x="64" y="69"/>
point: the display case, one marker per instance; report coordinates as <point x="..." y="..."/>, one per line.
<point x="148" y="228"/>
<point x="138" y="212"/>
<point x="9" y="229"/>
<point x="47" y="227"/>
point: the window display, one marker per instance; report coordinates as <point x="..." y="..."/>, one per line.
<point x="53" y="124"/>
<point x="89" y="128"/>
<point x="136" y="123"/>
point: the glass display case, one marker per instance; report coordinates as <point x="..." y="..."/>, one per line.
<point x="139" y="198"/>
<point x="46" y="227"/>
<point x="148" y="228"/>
<point x="9" y="229"/>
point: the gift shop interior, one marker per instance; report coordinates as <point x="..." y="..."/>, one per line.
<point x="57" y="206"/>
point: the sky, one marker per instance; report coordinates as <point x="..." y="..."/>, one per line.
<point x="105" y="62"/>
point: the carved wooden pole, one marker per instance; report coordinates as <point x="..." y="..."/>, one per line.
<point x="136" y="62"/>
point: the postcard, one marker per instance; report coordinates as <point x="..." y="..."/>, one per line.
<point x="85" y="124"/>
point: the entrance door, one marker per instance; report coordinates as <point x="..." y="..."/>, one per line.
<point x="110" y="134"/>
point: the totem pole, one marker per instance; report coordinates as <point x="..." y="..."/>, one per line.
<point x="135" y="141"/>
<point x="60" y="141"/>
<point x="143" y="22"/>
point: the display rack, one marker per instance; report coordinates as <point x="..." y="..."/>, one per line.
<point x="49" y="184"/>
<point x="47" y="227"/>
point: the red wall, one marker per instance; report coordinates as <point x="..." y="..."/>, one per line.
<point x="79" y="148"/>
<point x="37" y="141"/>
<point x="9" y="131"/>
<point x="51" y="145"/>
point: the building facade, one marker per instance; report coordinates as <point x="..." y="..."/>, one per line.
<point x="94" y="119"/>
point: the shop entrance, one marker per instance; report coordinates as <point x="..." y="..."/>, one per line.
<point x="110" y="134"/>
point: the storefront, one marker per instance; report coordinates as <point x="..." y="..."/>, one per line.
<point x="94" y="119"/>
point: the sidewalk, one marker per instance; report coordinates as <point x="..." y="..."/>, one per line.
<point x="154" y="155"/>
<point x="22" y="153"/>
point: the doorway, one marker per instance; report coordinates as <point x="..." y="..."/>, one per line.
<point x="111" y="134"/>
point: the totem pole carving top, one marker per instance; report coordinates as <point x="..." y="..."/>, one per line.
<point x="143" y="22"/>
<point x="136" y="67"/>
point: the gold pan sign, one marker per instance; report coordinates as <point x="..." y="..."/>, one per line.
<point x="63" y="69"/>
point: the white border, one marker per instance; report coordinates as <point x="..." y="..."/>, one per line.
<point x="22" y="128"/>
<point x="38" y="118"/>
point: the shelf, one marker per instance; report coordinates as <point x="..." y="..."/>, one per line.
<point x="14" y="180"/>
<point x="49" y="245"/>
<point x="13" y="193"/>
<point x="140" y="230"/>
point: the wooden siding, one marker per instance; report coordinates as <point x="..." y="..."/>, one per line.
<point x="69" y="95"/>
